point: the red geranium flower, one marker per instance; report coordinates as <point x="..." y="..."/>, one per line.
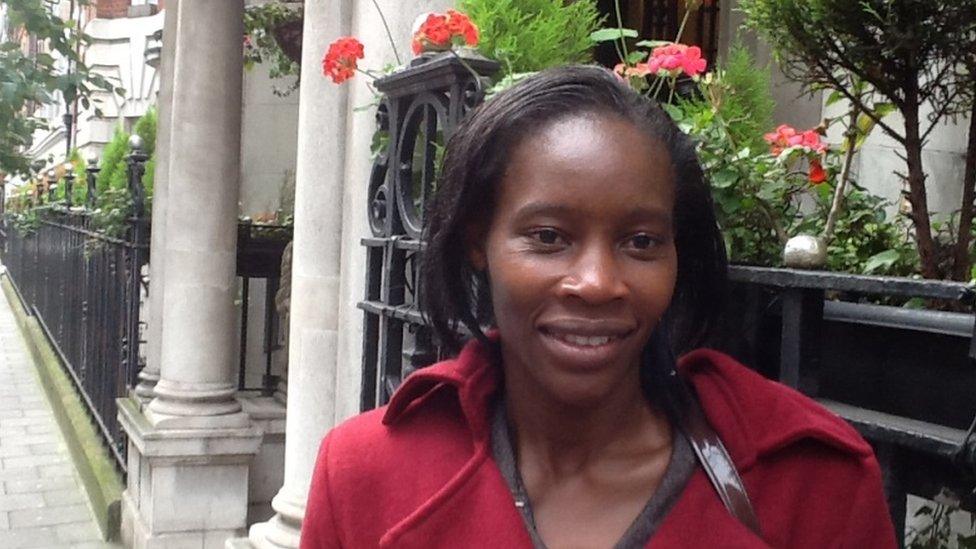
<point x="460" y="26"/>
<point x="817" y="172"/>
<point x="439" y="31"/>
<point x="339" y="62"/>
<point x="432" y="32"/>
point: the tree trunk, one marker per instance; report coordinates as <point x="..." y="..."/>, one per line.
<point x="960" y="261"/>
<point x="917" y="195"/>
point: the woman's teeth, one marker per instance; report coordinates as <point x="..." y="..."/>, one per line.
<point x="584" y="341"/>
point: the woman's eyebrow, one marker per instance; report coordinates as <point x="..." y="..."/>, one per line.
<point x="533" y="209"/>
<point x="643" y="213"/>
<point x="634" y="214"/>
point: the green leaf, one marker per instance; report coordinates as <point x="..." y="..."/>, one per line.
<point x="724" y="178"/>
<point x="884" y="109"/>
<point x="652" y="43"/>
<point x="882" y="260"/>
<point x="834" y="97"/>
<point x="607" y="35"/>
<point x="636" y="56"/>
<point x="674" y="111"/>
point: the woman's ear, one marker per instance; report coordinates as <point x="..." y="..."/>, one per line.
<point x="474" y="246"/>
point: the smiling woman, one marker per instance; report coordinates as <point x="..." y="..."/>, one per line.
<point x="571" y="234"/>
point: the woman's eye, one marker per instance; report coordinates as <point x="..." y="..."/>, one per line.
<point x="547" y="237"/>
<point x="641" y="241"/>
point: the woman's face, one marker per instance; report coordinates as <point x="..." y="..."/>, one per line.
<point x="580" y="256"/>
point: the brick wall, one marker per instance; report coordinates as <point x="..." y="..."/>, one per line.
<point x="112" y="9"/>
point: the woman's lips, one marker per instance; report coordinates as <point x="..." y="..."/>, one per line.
<point x="584" y="351"/>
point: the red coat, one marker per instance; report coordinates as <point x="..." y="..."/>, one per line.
<point x="419" y="473"/>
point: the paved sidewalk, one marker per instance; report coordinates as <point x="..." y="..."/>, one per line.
<point x="41" y="502"/>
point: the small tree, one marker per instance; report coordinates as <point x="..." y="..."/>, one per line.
<point x="907" y="51"/>
<point x="531" y="35"/>
<point x="32" y="80"/>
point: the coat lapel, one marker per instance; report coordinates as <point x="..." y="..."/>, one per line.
<point x="473" y="510"/>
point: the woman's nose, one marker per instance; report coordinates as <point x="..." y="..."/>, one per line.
<point x="594" y="276"/>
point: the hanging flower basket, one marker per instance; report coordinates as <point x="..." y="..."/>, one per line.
<point x="288" y="35"/>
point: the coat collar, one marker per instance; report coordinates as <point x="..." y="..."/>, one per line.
<point x="752" y="415"/>
<point x="474" y="375"/>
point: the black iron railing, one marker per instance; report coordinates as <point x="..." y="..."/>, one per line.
<point x="259" y="252"/>
<point x="421" y="108"/>
<point x="903" y="377"/>
<point x="85" y="290"/>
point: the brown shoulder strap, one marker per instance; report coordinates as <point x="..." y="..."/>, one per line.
<point x="718" y="466"/>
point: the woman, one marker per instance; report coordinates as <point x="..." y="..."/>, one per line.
<point x="573" y="219"/>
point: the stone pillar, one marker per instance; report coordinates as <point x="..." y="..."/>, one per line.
<point x="315" y="272"/>
<point x="189" y="449"/>
<point x="150" y="373"/>
<point x="199" y="337"/>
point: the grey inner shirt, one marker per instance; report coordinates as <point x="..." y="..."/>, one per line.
<point x="680" y="468"/>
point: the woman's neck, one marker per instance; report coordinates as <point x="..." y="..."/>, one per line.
<point x="568" y="438"/>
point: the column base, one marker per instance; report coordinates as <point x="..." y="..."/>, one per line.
<point x="284" y="529"/>
<point x="200" y="406"/>
<point x="203" y="470"/>
<point x="144" y="391"/>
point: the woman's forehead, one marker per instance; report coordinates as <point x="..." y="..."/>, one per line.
<point x="589" y="160"/>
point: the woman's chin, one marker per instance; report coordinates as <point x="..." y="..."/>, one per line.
<point x="584" y="392"/>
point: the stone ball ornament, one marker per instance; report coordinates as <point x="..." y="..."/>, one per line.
<point x="135" y="142"/>
<point x="805" y="252"/>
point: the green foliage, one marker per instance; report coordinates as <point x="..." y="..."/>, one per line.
<point x="936" y="532"/>
<point x="906" y="55"/>
<point x="113" y="160"/>
<point x="747" y="101"/>
<point x="894" y="45"/>
<point x="261" y="47"/>
<point x="149" y="177"/>
<point x="145" y="128"/>
<point x="762" y="199"/>
<point x="865" y="240"/>
<point x="531" y="35"/>
<point x="32" y="80"/>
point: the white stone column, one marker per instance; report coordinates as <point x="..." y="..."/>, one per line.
<point x="199" y="337"/>
<point x="150" y="373"/>
<point x="315" y="271"/>
<point x="190" y="448"/>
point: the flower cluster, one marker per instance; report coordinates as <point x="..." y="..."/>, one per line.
<point x="340" y="61"/>
<point x="675" y="59"/>
<point x="441" y="31"/>
<point x="667" y="61"/>
<point x="786" y="138"/>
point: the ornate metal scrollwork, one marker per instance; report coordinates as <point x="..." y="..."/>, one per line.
<point x="422" y="106"/>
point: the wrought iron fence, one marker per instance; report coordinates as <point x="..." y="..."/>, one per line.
<point x="421" y="108"/>
<point x="85" y="290"/>
<point x="783" y="322"/>
<point x="259" y="252"/>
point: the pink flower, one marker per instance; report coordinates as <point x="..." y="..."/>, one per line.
<point x="675" y="59"/>
<point x="786" y="136"/>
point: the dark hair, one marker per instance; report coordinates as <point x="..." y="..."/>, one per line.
<point x="453" y="292"/>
